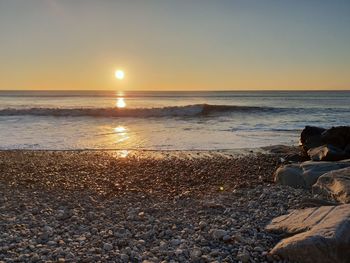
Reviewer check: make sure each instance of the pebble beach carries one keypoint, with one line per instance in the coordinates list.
(109, 206)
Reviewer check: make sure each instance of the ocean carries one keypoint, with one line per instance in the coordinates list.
(75, 120)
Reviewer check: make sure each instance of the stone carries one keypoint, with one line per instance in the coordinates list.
(195, 254)
(243, 257)
(316, 235)
(226, 238)
(218, 233)
(337, 136)
(258, 249)
(327, 153)
(289, 153)
(107, 246)
(326, 145)
(304, 175)
(310, 137)
(335, 184)
(175, 242)
(124, 257)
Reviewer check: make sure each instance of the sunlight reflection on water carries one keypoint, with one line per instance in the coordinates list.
(121, 133)
(120, 103)
(123, 153)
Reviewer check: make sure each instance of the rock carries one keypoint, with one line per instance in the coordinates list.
(124, 257)
(178, 252)
(337, 136)
(310, 137)
(226, 238)
(305, 174)
(63, 214)
(318, 234)
(335, 184)
(175, 242)
(195, 254)
(258, 249)
(243, 256)
(48, 229)
(326, 145)
(327, 153)
(52, 243)
(107, 246)
(289, 153)
(202, 224)
(218, 233)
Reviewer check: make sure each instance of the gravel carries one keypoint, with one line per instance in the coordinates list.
(96, 206)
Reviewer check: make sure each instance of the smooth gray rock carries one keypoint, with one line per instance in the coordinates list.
(335, 184)
(318, 235)
(304, 175)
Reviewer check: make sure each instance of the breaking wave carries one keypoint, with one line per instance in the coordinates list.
(176, 111)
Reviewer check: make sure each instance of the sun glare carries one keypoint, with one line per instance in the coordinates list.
(119, 74)
(120, 129)
(120, 103)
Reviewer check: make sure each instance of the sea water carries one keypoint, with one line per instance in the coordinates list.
(68, 120)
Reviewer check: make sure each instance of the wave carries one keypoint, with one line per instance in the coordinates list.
(176, 111)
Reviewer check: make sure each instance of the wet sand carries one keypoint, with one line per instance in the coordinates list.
(135, 206)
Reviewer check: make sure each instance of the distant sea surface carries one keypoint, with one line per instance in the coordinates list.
(69, 120)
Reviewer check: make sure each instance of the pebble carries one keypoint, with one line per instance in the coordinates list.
(175, 242)
(218, 233)
(195, 254)
(91, 207)
(107, 246)
(243, 256)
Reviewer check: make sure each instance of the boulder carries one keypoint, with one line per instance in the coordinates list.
(335, 184)
(326, 145)
(304, 175)
(311, 137)
(327, 153)
(318, 235)
(337, 136)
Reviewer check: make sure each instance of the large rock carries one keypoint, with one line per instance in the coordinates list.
(326, 145)
(327, 153)
(304, 175)
(335, 184)
(337, 136)
(310, 137)
(319, 235)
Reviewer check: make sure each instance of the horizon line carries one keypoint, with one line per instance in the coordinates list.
(112, 90)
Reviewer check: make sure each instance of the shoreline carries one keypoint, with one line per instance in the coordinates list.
(96, 206)
(270, 149)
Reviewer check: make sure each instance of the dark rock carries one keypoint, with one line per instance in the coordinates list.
(326, 145)
(328, 153)
(288, 153)
(310, 137)
(337, 136)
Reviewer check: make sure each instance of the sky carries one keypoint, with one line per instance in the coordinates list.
(175, 45)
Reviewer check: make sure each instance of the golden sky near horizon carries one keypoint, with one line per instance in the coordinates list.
(174, 45)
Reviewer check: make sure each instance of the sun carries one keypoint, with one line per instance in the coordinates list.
(119, 74)
(120, 103)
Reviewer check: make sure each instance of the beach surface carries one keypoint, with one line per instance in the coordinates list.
(146, 206)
